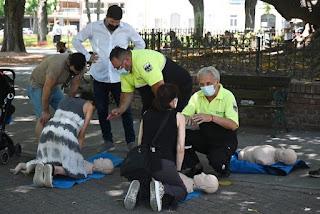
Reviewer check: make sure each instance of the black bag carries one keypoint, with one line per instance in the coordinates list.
(138, 160)
(136, 163)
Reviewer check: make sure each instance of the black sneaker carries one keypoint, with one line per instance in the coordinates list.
(131, 197)
(225, 172)
(315, 173)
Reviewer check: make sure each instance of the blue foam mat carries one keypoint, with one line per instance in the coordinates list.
(67, 182)
(241, 166)
(193, 195)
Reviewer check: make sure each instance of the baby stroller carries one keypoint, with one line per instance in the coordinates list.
(7, 148)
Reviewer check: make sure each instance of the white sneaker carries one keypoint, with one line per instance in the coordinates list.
(47, 174)
(38, 178)
(156, 194)
(131, 198)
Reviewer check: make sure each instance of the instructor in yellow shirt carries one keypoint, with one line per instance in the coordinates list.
(212, 115)
(145, 70)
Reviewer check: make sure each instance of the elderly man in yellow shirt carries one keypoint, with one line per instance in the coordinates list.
(145, 70)
(212, 114)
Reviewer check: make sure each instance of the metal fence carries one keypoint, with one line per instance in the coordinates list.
(237, 52)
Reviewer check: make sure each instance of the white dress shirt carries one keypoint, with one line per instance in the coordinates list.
(56, 30)
(102, 42)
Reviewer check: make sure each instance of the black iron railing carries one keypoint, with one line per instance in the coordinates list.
(234, 52)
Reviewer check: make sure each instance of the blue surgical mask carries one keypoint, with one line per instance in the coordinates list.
(123, 71)
(208, 90)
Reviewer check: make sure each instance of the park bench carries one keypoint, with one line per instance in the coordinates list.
(267, 92)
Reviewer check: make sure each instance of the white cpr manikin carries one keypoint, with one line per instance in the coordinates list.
(207, 183)
(103, 165)
(267, 155)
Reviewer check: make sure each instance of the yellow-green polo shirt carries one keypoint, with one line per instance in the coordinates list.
(223, 105)
(147, 68)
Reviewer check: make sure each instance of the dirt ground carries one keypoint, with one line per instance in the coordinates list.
(14, 59)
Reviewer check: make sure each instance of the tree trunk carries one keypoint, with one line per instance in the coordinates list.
(42, 21)
(250, 10)
(307, 10)
(13, 37)
(31, 22)
(88, 11)
(315, 45)
(198, 17)
(98, 9)
(35, 23)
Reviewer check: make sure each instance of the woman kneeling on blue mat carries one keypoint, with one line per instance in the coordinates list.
(60, 144)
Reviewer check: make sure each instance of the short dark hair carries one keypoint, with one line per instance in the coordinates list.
(115, 12)
(61, 47)
(165, 94)
(118, 53)
(78, 60)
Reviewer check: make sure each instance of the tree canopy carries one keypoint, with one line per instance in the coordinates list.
(307, 10)
(198, 12)
(1, 7)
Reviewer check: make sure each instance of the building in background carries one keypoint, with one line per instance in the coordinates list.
(68, 12)
(220, 15)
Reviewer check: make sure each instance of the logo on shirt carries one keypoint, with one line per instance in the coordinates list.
(235, 107)
(147, 67)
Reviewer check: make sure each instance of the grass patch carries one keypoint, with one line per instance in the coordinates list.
(32, 41)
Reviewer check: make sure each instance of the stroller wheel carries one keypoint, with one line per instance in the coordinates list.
(4, 156)
(17, 149)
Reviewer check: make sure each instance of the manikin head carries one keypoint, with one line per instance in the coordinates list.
(286, 156)
(207, 183)
(103, 165)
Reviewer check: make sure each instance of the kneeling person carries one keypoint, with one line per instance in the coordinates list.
(214, 110)
(61, 141)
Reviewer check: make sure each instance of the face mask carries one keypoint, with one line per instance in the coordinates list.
(208, 90)
(123, 71)
(73, 73)
(112, 27)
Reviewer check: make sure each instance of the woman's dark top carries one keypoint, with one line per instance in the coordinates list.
(166, 142)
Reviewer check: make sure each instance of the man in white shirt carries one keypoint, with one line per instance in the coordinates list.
(104, 36)
(56, 32)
